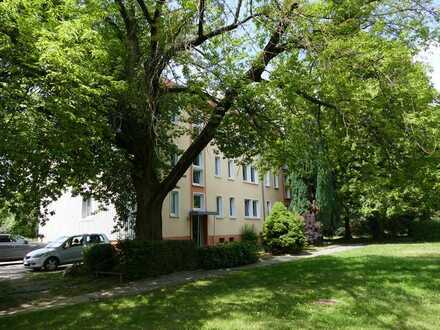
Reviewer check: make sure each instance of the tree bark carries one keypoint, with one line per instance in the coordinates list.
(347, 231)
(149, 202)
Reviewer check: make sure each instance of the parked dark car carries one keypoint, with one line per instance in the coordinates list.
(15, 247)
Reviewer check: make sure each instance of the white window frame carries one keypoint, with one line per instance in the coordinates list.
(202, 206)
(267, 180)
(219, 207)
(276, 181)
(176, 213)
(199, 168)
(232, 210)
(217, 166)
(249, 171)
(231, 169)
(251, 213)
(268, 207)
(86, 207)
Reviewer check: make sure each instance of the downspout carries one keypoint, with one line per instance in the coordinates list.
(264, 200)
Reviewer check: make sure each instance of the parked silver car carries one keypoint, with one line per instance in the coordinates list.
(15, 247)
(63, 250)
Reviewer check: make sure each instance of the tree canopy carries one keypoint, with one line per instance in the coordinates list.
(89, 88)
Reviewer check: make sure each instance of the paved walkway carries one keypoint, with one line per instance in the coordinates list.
(133, 288)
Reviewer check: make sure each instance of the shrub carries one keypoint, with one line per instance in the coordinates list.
(99, 257)
(312, 229)
(248, 234)
(140, 259)
(425, 230)
(283, 231)
(228, 255)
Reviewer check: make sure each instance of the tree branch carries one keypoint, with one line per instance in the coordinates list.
(202, 38)
(237, 11)
(316, 100)
(270, 51)
(201, 17)
(145, 12)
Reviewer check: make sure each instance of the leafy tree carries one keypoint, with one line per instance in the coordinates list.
(89, 89)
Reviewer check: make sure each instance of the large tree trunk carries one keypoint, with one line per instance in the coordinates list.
(347, 231)
(149, 212)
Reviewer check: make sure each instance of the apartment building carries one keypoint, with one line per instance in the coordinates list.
(211, 203)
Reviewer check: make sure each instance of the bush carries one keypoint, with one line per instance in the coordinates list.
(139, 259)
(283, 231)
(248, 234)
(425, 230)
(228, 255)
(312, 229)
(99, 258)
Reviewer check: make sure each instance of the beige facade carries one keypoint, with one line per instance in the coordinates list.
(215, 184)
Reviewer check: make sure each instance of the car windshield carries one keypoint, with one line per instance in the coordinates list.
(58, 242)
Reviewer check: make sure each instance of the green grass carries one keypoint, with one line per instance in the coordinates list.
(394, 286)
(37, 287)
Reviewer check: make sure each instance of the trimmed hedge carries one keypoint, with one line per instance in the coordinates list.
(425, 230)
(228, 255)
(139, 259)
(99, 258)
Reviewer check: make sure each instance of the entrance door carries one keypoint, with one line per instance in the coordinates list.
(199, 229)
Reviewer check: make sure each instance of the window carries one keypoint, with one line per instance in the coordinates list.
(5, 239)
(94, 238)
(267, 179)
(251, 208)
(174, 204)
(231, 169)
(197, 170)
(232, 211)
(276, 182)
(268, 207)
(198, 201)
(219, 206)
(198, 161)
(250, 174)
(86, 207)
(217, 166)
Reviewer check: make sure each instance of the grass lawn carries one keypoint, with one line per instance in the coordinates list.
(35, 287)
(394, 286)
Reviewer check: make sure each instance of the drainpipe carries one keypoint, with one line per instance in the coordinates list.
(264, 201)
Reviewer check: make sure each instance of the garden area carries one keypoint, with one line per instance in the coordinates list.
(381, 286)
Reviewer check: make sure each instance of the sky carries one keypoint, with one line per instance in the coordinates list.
(432, 58)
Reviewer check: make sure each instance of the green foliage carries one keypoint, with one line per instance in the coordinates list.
(300, 202)
(425, 230)
(139, 259)
(99, 258)
(283, 231)
(84, 104)
(248, 234)
(228, 255)
(326, 200)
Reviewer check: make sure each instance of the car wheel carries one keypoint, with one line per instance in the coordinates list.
(51, 264)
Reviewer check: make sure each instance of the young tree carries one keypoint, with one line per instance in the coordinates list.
(101, 81)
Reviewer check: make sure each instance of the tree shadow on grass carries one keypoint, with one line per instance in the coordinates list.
(373, 291)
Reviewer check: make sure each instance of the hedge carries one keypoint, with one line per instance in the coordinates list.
(425, 230)
(99, 258)
(139, 259)
(227, 255)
